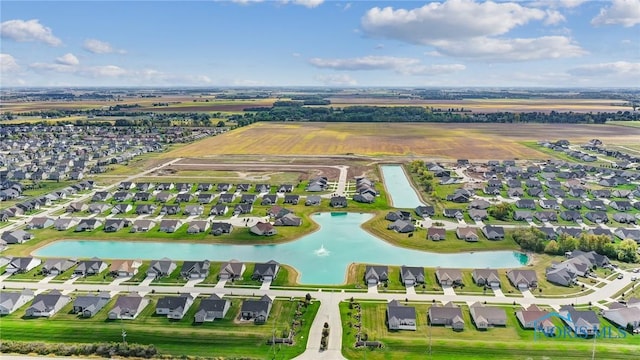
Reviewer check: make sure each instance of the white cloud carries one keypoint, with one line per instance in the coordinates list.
(554, 17)
(546, 47)
(628, 69)
(100, 47)
(468, 29)
(296, 54)
(453, 19)
(104, 71)
(305, 3)
(30, 30)
(57, 67)
(8, 64)
(244, 82)
(430, 70)
(554, 4)
(68, 59)
(364, 63)
(621, 12)
(336, 80)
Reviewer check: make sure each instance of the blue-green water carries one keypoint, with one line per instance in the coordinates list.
(321, 257)
(402, 194)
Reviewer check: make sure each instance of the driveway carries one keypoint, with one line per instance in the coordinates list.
(448, 290)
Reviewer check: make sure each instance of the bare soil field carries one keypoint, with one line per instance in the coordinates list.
(494, 105)
(472, 141)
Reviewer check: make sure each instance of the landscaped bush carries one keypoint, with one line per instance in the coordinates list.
(101, 349)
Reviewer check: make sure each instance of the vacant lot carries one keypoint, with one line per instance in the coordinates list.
(473, 141)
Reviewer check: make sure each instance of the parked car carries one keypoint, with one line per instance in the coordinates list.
(620, 276)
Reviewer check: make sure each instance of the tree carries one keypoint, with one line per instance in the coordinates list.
(501, 211)
(627, 251)
(567, 242)
(220, 124)
(552, 248)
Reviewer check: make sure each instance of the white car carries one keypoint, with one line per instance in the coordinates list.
(633, 278)
(620, 276)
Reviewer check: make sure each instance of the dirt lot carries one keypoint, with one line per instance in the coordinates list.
(444, 141)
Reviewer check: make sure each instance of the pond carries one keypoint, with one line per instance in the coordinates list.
(402, 195)
(321, 257)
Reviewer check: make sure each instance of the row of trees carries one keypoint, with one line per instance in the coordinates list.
(425, 177)
(106, 350)
(532, 239)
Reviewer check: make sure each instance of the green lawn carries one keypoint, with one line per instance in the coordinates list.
(222, 338)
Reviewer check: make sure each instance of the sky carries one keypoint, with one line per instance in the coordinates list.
(446, 43)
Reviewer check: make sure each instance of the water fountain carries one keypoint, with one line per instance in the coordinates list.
(322, 251)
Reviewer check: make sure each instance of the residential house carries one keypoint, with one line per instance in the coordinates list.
(161, 268)
(338, 201)
(195, 227)
(212, 308)
(285, 188)
(436, 234)
(224, 187)
(142, 196)
(487, 316)
(101, 196)
(583, 322)
(205, 198)
(375, 274)
(263, 229)
(560, 275)
(291, 199)
(125, 268)
(425, 210)
(400, 317)
(624, 218)
(113, 225)
(142, 225)
(448, 315)
(262, 188)
(39, 223)
(242, 209)
(545, 216)
(289, 219)
(248, 198)
(195, 269)
(193, 210)
(486, 277)
(449, 277)
(269, 199)
(243, 187)
(171, 209)
(182, 187)
(12, 301)
(572, 204)
(523, 279)
(89, 305)
(265, 271)
(526, 204)
(19, 265)
(454, 213)
(121, 209)
(145, 209)
(128, 307)
(169, 225)
(16, 236)
(219, 228)
(93, 266)
(411, 275)
(88, 225)
(121, 196)
(62, 224)
(460, 196)
(625, 317)
(313, 200)
(165, 186)
(183, 197)
(598, 217)
(533, 317)
(231, 270)
(469, 234)
(523, 215)
(97, 208)
(256, 309)
(219, 209)
(571, 215)
(402, 226)
(164, 196)
(478, 215)
(46, 305)
(77, 207)
(175, 307)
(621, 205)
(56, 266)
(204, 187)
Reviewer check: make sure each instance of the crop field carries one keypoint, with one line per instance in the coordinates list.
(472, 141)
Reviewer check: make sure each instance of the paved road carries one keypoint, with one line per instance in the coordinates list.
(329, 311)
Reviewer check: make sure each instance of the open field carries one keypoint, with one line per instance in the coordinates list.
(472, 141)
(493, 105)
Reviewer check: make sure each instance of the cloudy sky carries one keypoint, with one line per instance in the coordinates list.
(559, 43)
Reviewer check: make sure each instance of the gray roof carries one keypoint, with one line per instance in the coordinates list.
(253, 305)
(212, 303)
(395, 310)
(173, 302)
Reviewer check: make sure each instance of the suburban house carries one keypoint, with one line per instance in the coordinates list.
(39, 223)
(113, 225)
(291, 199)
(121, 209)
(400, 317)
(98, 208)
(46, 305)
(560, 275)
(478, 214)
(269, 199)
(205, 198)
(487, 316)
(263, 229)
(449, 277)
(469, 234)
(256, 309)
(161, 268)
(231, 270)
(523, 279)
(16, 236)
(174, 307)
(626, 317)
(425, 210)
(57, 266)
(142, 225)
(88, 305)
(242, 209)
(169, 225)
(248, 198)
(454, 213)
(581, 322)
(338, 201)
(448, 315)
(375, 274)
(145, 209)
(170, 209)
(265, 271)
(204, 187)
(164, 196)
(219, 228)
(262, 188)
(195, 269)
(313, 200)
(197, 226)
(90, 267)
(533, 317)
(226, 198)
(77, 207)
(63, 224)
(193, 210)
(243, 187)
(124, 268)
(402, 226)
(212, 308)
(436, 234)
(19, 265)
(289, 219)
(411, 275)
(88, 225)
(219, 209)
(183, 197)
(486, 277)
(12, 301)
(493, 232)
(128, 307)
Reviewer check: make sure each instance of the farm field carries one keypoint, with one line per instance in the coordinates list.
(472, 141)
